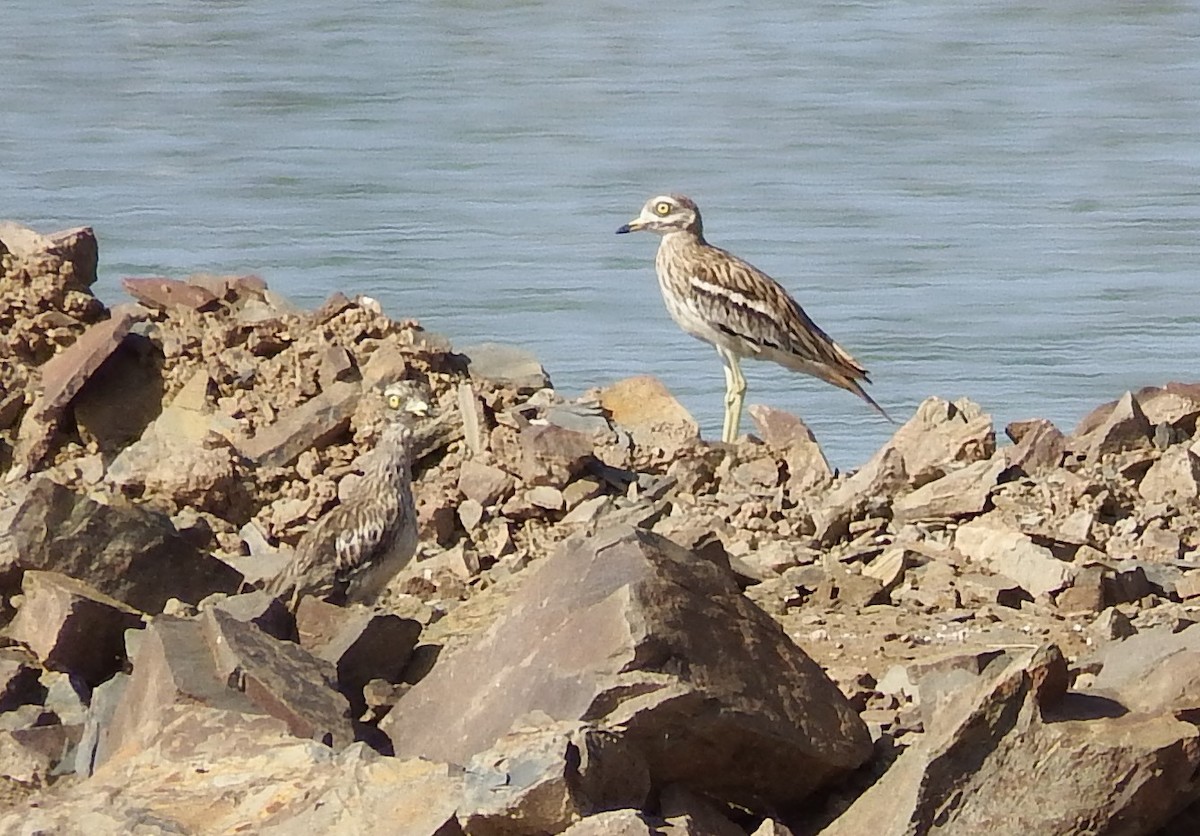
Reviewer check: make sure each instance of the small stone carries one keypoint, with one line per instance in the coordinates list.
(486, 484)
(546, 497)
(1173, 478)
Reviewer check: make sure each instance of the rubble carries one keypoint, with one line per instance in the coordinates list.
(611, 624)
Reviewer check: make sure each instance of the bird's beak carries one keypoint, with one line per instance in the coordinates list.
(632, 226)
(419, 408)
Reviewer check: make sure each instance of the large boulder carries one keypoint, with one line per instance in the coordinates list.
(635, 635)
(132, 553)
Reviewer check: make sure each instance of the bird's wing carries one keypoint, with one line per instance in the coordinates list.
(745, 302)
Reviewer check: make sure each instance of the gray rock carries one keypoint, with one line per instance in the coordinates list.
(960, 493)
(314, 423)
(506, 366)
(992, 543)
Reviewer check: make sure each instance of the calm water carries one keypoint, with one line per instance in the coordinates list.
(987, 199)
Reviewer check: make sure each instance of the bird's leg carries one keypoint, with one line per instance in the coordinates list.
(735, 390)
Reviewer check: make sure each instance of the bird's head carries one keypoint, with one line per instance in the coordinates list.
(666, 213)
(407, 399)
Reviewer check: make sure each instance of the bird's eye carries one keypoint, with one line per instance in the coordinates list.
(663, 208)
(393, 401)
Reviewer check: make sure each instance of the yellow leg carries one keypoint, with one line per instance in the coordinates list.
(735, 391)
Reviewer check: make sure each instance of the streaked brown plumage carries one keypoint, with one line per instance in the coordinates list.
(352, 552)
(716, 297)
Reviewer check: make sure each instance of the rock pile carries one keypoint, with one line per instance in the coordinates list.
(611, 627)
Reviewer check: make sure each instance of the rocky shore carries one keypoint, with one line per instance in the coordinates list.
(611, 627)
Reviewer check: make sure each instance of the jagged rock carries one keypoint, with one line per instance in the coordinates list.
(121, 397)
(977, 768)
(162, 293)
(131, 553)
(544, 776)
(314, 423)
(1124, 427)
(207, 770)
(552, 456)
(261, 609)
(75, 246)
(19, 679)
(200, 475)
(614, 823)
(593, 632)
(1006, 551)
(940, 436)
(484, 483)
(1039, 445)
(62, 376)
(360, 643)
(173, 668)
(1175, 477)
(506, 366)
(280, 678)
(684, 809)
(881, 476)
(650, 413)
(1154, 671)
(780, 429)
(960, 493)
(889, 567)
(29, 756)
(71, 627)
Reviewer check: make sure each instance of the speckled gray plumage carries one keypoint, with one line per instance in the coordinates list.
(351, 553)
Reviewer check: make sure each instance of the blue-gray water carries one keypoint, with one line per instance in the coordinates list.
(992, 199)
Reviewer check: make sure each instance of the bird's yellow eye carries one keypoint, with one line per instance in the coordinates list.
(662, 208)
(393, 401)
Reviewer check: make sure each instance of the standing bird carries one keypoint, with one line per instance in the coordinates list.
(354, 550)
(716, 297)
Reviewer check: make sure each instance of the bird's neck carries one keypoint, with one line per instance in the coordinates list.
(682, 240)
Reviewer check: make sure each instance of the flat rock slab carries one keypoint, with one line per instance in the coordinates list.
(938, 438)
(279, 677)
(1015, 756)
(164, 294)
(362, 644)
(639, 636)
(506, 366)
(71, 627)
(62, 376)
(314, 423)
(132, 553)
(1007, 551)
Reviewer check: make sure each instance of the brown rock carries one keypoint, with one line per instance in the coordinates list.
(207, 770)
(314, 423)
(1173, 478)
(553, 456)
(990, 542)
(71, 627)
(543, 775)
(261, 609)
(1124, 427)
(484, 483)
(780, 429)
(121, 397)
(755, 720)
(360, 643)
(1039, 445)
(974, 769)
(1154, 671)
(129, 552)
(173, 667)
(163, 294)
(940, 436)
(75, 246)
(614, 823)
(879, 478)
(62, 377)
(280, 678)
(960, 493)
(650, 413)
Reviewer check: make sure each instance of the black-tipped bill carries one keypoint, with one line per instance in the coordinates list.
(623, 228)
